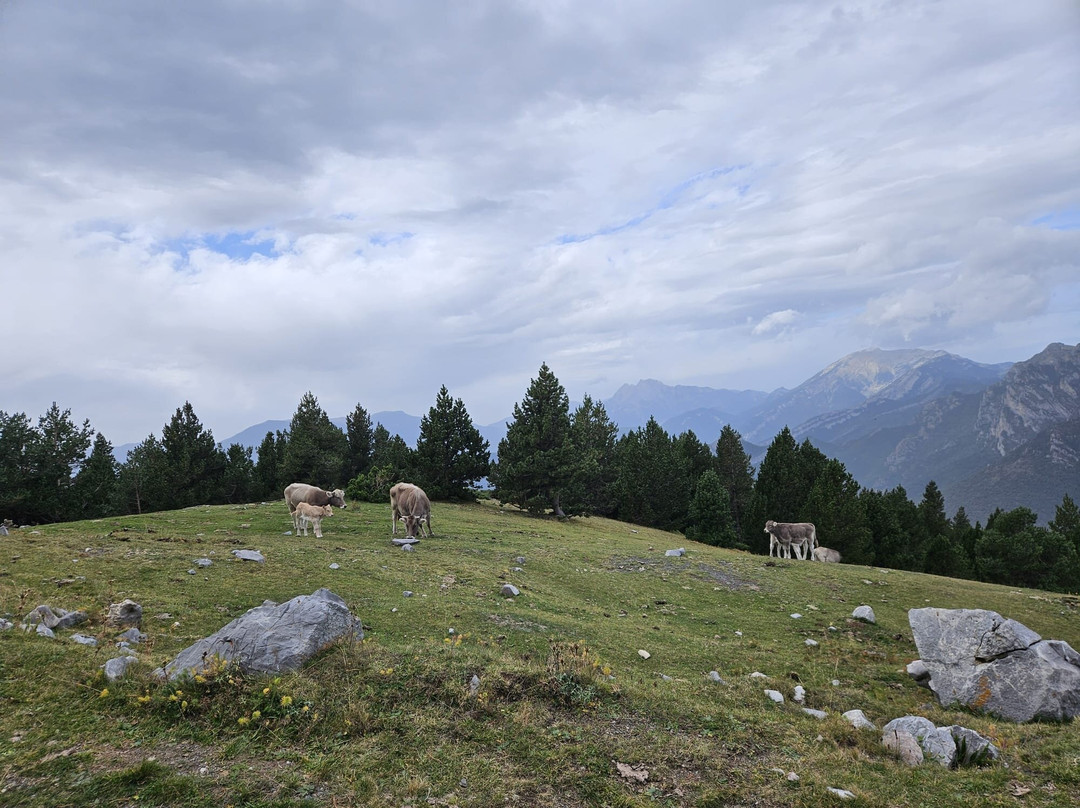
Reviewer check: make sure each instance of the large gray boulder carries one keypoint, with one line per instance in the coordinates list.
(273, 637)
(981, 660)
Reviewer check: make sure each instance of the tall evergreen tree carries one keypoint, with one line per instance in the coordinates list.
(238, 479)
(361, 437)
(269, 482)
(1066, 521)
(778, 489)
(535, 465)
(195, 465)
(893, 520)
(17, 440)
(1014, 550)
(699, 458)
(593, 437)
(653, 484)
(143, 482)
(316, 450)
(838, 513)
(710, 519)
(94, 488)
(736, 474)
(58, 450)
(451, 454)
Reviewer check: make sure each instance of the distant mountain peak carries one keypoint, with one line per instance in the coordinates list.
(872, 370)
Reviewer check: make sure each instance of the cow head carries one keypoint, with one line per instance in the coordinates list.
(769, 526)
(337, 498)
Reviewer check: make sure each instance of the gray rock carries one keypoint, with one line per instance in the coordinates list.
(864, 613)
(335, 566)
(45, 631)
(474, 685)
(918, 671)
(132, 635)
(714, 676)
(5, 624)
(810, 643)
(272, 638)
(124, 645)
(404, 542)
(58, 618)
(859, 720)
(936, 742)
(841, 793)
(407, 594)
(117, 667)
(509, 591)
(125, 613)
(249, 555)
(520, 559)
(971, 747)
(408, 548)
(800, 694)
(203, 562)
(819, 714)
(904, 745)
(775, 695)
(978, 659)
(82, 639)
(675, 553)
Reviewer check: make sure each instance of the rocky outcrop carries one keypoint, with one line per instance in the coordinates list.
(271, 638)
(981, 660)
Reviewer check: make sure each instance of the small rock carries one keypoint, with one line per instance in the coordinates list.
(407, 594)
(249, 555)
(408, 548)
(474, 685)
(758, 675)
(792, 777)
(116, 668)
(738, 633)
(715, 676)
(520, 559)
(796, 616)
(859, 720)
(864, 613)
(5, 624)
(45, 631)
(404, 542)
(132, 635)
(509, 591)
(335, 566)
(666, 678)
(918, 671)
(842, 793)
(820, 714)
(643, 653)
(676, 553)
(799, 694)
(811, 643)
(835, 683)
(775, 695)
(904, 745)
(203, 562)
(192, 572)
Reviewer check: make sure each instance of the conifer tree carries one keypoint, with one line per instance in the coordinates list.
(194, 464)
(451, 455)
(94, 488)
(736, 474)
(836, 510)
(777, 490)
(1066, 521)
(535, 465)
(269, 482)
(361, 436)
(710, 519)
(58, 449)
(238, 479)
(316, 450)
(143, 482)
(593, 436)
(653, 484)
(17, 439)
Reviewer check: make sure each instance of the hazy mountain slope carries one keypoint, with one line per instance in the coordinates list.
(633, 404)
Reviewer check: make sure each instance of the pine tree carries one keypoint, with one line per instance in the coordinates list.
(835, 508)
(238, 479)
(736, 474)
(451, 455)
(535, 464)
(143, 482)
(316, 450)
(361, 437)
(1066, 521)
(777, 490)
(593, 436)
(653, 485)
(58, 449)
(195, 465)
(94, 488)
(710, 519)
(269, 482)
(17, 439)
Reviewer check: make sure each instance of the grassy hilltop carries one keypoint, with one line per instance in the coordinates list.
(563, 696)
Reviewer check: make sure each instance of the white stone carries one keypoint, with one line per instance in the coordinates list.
(859, 720)
(775, 695)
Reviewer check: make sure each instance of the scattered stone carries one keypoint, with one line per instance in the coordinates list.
(117, 667)
(58, 618)
(132, 635)
(775, 695)
(125, 613)
(509, 591)
(404, 542)
(842, 793)
(859, 720)
(643, 653)
(811, 643)
(520, 559)
(799, 694)
(636, 773)
(203, 562)
(666, 678)
(904, 745)
(715, 676)
(82, 639)
(407, 594)
(272, 638)
(835, 683)
(792, 777)
(5, 624)
(408, 548)
(676, 553)
(833, 628)
(983, 661)
(820, 714)
(474, 686)
(796, 616)
(864, 613)
(45, 631)
(758, 675)
(935, 742)
(738, 633)
(971, 747)
(249, 555)
(918, 671)
(335, 566)
(124, 645)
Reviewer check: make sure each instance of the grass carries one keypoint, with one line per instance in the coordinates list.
(563, 693)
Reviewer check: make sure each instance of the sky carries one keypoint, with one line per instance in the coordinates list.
(234, 203)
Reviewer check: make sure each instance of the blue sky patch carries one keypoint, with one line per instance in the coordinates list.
(1068, 219)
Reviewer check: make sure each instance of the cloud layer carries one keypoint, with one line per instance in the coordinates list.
(233, 203)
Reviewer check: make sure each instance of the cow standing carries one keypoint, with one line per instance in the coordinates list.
(409, 503)
(313, 514)
(784, 535)
(312, 495)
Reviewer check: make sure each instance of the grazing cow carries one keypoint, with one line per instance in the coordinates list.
(826, 554)
(785, 535)
(410, 504)
(314, 514)
(312, 495)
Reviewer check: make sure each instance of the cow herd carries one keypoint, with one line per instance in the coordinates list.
(309, 505)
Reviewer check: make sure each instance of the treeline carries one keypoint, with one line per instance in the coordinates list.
(552, 460)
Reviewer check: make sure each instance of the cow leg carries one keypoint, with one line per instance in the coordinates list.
(317, 524)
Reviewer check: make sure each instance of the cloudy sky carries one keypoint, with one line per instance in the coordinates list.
(235, 202)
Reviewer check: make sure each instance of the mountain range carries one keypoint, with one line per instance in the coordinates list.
(997, 435)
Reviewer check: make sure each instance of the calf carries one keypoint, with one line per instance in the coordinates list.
(785, 535)
(826, 554)
(314, 514)
(411, 505)
(312, 495)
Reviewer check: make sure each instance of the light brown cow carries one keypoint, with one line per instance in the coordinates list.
(312, 495)
(314, 514)
(785, 535)
(409, 503)
(826, 554)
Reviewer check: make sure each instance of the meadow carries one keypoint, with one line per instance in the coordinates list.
(563, 709)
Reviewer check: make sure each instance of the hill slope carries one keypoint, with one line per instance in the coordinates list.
(562, 694)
